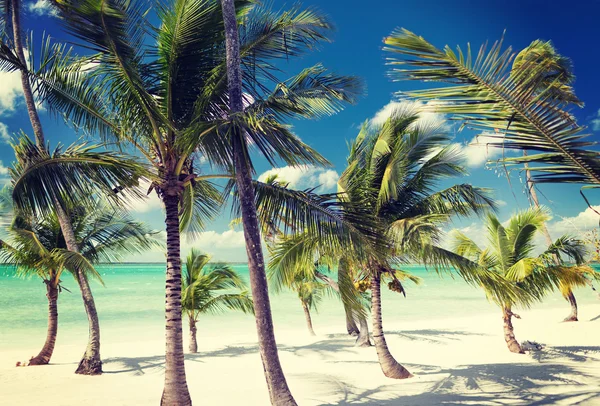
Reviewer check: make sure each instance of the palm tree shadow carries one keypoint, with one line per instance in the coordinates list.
(596, 318)
(572, 353)
(433, 336)
(493, 384)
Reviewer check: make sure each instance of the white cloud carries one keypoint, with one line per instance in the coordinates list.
(4, 134)
(148, 203)
(426, 118)
(304, 177)
(209, 240)
(10, 91)
(576, 225)
(596, 122)
(42, 8)
(3, 169)
(479, 151)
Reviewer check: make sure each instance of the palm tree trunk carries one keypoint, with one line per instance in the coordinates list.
(509, 334)
(91, 363)
(390, 367)
(175, 392)
(531, 187)
(193, 341)
(43, 358)
(27, 92)
(343, 280)
(363, 339)
(278, 389)
(308, 319)
(351, 326)
(571, 298)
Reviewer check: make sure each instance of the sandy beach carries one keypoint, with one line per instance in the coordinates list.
(461, 360)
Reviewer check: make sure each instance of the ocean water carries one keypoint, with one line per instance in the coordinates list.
(131, 304)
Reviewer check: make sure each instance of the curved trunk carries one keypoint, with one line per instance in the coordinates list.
(390, 367)
(308, 319)
(363, 339)
(351, 326)
(571, 299)
(193, 342)
(27, 92)
(91, 363)
(509, 334)
(279, 391)
(175, 392)
(45, 354)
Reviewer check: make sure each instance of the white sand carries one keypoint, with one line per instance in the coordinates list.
(460, 361)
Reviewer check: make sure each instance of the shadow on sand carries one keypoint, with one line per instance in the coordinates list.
(492, 384)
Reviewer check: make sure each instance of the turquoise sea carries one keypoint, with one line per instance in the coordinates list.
(132, 303)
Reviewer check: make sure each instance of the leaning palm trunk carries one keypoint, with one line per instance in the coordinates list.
(278, 389)
(570, 297)
(509, 334)
(363, 339)
(193, 341)
(175, 392)
(27, 92)
(351, 326)
(573, 302)
(91, 363)
(308, 319)
(45, 354)
(390, 367)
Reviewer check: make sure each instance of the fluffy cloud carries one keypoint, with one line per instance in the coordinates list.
(304, 176)
(4, 135)
(146, 204)
(10, 91)
(42, 8)
(426, 118)
(596, 122)
(582, 222)
(478, 151)
(209, 240)
(3, 169)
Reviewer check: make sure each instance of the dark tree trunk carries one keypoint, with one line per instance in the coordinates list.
(509, 334)
(278, 389)
(308, 319)
(571, 299)
(91, 363)
(175, 392)
(390, 367)
(45, 354)
(27, 92)
(363, 339)
(193, 341)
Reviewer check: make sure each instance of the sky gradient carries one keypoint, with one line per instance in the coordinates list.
(356, 49)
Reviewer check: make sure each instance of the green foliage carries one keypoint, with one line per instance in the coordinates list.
(520, 276)
(205, 288)
(520, 106)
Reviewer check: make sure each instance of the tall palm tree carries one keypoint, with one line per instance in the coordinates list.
(13, 58)
(164, 92)
(510, 254)
(36, 246)
(203, 291)
(482, 91)
(393, 170)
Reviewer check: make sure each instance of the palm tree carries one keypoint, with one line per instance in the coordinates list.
(37, 247)
(165, 94)
(12, 57)
(510, 255)
(202, 287)
(393, 170)
(483, 91)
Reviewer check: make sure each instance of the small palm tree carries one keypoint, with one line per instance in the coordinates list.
(521, 277)
(203, 291)
(36, 246)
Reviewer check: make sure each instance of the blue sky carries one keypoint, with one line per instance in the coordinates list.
(356, 50)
